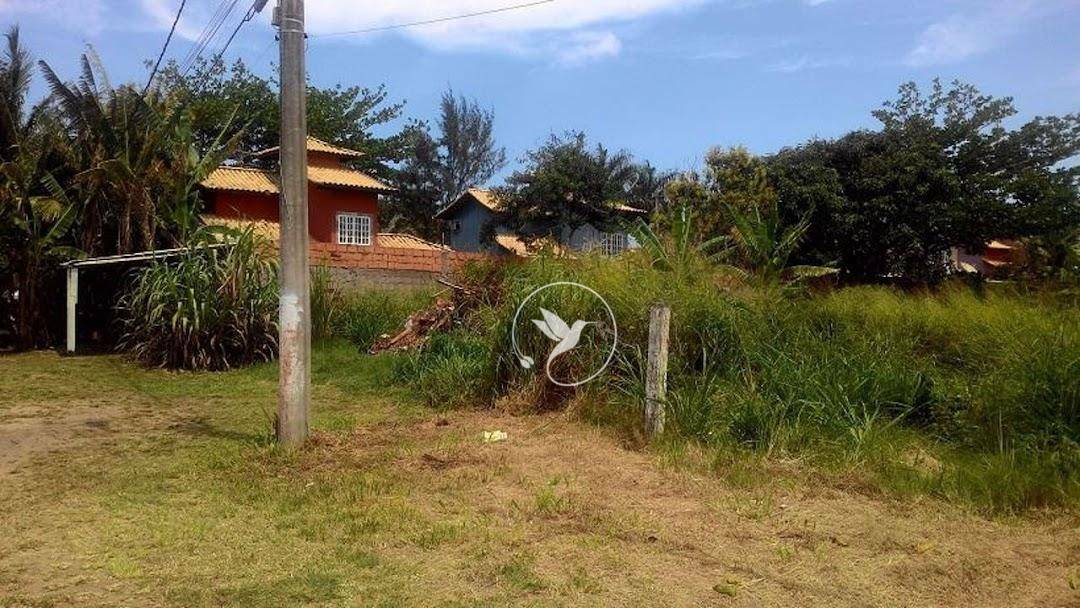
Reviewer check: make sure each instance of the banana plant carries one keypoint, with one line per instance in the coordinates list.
(679, 249)
(35, 229)
(761, 246)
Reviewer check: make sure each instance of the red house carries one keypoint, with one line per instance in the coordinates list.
(343, 203)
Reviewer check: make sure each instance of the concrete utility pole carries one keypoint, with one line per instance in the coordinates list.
(294, 343)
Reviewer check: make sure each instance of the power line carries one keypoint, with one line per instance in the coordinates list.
(218, 14)
(164, 47)
(256, 6)
(262, 53)
(211, 34)
(434, 21)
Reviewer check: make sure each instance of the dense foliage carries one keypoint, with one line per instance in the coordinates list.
(439, 168)
(348, 116)
(566, 183)
(961, 395)
(942, 172)
(213, 307)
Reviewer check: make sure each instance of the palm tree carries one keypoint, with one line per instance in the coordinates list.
(35, 213)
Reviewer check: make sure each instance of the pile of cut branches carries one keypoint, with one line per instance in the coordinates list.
(419, 325)
(481, 285)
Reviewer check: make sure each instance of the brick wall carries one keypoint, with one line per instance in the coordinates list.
(381, 278)
(389, 258)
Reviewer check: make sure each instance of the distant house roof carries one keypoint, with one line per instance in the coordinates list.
(262, 181)
(481, 196)
(242, 179)
(264, 228)
(489, 199)
(627, 208)
(332, 176)
(516, 245)
(315, 144)
(486, 198)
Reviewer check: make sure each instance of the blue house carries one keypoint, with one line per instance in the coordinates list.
(464, 220)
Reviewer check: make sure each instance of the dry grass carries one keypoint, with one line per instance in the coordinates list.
(179, 500)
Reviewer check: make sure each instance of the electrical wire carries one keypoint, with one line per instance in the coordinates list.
(247, 17)
(213, 34)
(218, 14)
(164, 47)
(434, 21)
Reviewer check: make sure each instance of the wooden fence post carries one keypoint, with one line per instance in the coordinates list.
(656, 372)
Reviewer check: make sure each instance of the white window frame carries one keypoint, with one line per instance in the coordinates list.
(354, 229)
(613, 243)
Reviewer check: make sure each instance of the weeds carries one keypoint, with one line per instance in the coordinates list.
(985, 386)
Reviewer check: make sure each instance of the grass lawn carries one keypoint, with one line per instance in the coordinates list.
(121, 486)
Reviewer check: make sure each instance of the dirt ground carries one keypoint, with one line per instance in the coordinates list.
(558, 514)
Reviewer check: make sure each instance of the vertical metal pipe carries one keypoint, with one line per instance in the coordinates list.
(72, 304)
(294, 314)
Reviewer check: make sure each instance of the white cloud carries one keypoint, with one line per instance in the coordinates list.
(588, 46)
(163, 12)
(569, 30)
(337, 15)
(802, 63)
(962, 36)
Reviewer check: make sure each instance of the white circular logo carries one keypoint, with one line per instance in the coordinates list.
(563, 336)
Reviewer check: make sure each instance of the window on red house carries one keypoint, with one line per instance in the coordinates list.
(354, 229)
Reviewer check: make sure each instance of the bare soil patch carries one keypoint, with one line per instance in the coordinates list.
(571, 497)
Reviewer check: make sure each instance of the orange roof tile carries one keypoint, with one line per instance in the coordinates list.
(521, 248)
(486, 198)
(489, 199)
(247, 179)
(315, 144)
(243, 179)
(264, 228)
(332, 176)
(407, 241)
(627, 208)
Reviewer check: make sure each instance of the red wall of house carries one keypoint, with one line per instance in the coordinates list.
(323, 206)
(325, 203)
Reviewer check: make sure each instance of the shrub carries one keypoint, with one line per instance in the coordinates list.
(212, 308)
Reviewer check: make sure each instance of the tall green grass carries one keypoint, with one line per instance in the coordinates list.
(969, 396)
(360, 315)
(210, 308)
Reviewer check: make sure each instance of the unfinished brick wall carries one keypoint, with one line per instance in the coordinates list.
(388, 258)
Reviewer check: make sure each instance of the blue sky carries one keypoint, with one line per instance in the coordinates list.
(665, 79)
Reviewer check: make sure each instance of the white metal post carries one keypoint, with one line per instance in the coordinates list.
(72, 303)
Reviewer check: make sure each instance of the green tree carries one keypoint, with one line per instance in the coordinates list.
(133, 161)
(943, 171)
(439, 169)
(35, 214)
(733, 179)
(347, 116)
(566, 184)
